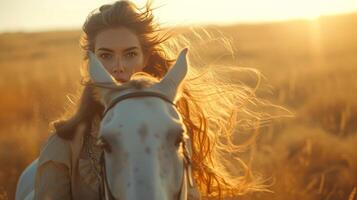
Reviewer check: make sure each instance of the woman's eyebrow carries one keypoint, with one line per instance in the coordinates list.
(104, 49)
(110, 50)
(131, 48)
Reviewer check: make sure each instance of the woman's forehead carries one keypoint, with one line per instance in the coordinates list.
(116, 39)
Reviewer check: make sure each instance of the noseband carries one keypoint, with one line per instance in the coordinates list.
(105, 192)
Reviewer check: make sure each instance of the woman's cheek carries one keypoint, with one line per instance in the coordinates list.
(139, 66)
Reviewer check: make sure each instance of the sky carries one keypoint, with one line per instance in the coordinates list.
(42, 15)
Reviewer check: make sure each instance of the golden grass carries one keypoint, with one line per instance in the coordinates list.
(311, 68)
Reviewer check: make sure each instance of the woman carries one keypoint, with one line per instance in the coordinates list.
(126, 40)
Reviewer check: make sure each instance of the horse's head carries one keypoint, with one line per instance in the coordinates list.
(143, 136)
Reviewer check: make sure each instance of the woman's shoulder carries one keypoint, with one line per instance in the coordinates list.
(56, 149)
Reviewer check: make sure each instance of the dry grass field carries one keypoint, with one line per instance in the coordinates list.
(311, 67)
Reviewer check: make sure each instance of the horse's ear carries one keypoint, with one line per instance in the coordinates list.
(97, 72)
(170, 84)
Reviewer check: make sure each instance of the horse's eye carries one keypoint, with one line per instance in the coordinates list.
(102, 143)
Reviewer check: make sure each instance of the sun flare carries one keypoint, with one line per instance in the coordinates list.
(170, 12)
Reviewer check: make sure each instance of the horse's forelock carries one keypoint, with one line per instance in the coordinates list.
(138, 81)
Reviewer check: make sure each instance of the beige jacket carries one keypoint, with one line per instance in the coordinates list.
(64, 171)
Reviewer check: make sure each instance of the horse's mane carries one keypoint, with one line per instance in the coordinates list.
(217, 109)
(138, 81)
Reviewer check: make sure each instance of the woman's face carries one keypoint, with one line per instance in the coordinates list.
(120, 52)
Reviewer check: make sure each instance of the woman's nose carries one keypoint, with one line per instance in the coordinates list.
(119, 65)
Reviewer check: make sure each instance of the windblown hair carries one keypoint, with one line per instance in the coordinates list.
(214, 106)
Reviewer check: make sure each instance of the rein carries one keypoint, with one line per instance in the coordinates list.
(104, 191)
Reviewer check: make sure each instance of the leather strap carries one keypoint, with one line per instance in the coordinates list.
(136, 95)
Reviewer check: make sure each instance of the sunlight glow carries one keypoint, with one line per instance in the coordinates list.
(49, 14)
(232, 11)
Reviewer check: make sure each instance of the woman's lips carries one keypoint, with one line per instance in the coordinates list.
(121, 78)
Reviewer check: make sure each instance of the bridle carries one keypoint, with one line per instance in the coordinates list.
(105, 192)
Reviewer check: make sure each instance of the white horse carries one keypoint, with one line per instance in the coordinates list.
(146, 148)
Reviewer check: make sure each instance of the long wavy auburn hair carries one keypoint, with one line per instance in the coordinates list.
(215, 108)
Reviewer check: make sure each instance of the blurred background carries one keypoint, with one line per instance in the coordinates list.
(307, 51)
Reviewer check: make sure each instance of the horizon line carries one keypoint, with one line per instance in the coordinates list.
(206, 24)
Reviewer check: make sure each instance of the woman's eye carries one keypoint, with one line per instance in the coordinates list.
(105, 56)
(131, 54)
